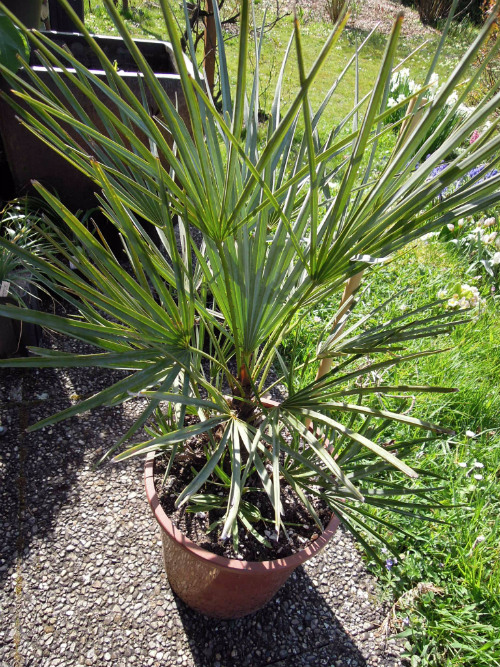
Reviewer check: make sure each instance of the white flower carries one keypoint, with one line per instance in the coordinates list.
(461, 222)
(496, 258)
(478, 540)
(478, 464)
(464, 110)
(434, 81)
(478, 477)
(426, 237)
(451, 227)
(317, 319)
(462, 464)
(412, 86)
(485, 237)
(441, 294)
(489, 222)
(468, 297)
(470, 434)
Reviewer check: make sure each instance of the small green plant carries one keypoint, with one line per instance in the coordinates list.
(281, 225)
(479, 239)
(18, 221)
(18, 282)
(12, 43)
(334, 9)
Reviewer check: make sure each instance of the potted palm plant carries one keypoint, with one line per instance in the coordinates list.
(250, 233)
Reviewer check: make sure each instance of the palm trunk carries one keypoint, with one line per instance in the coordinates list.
(210, 44)
(350, 287)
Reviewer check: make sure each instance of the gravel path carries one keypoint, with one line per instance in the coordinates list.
(81, 578)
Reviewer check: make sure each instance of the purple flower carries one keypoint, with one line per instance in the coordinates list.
(437, 170)
(477, 170)
(390, 562)
(474, 172)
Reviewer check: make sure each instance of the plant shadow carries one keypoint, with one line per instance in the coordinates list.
(297, 628)
(38, 470)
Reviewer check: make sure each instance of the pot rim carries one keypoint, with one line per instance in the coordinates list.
(257, 567)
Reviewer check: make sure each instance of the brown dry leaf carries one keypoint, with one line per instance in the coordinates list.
(408, 599)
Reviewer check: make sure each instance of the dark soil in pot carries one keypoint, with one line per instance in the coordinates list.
(301, 528)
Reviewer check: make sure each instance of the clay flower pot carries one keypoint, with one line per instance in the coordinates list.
(217, 586)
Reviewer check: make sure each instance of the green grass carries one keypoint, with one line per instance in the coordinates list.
(145, 21)
(461, 625)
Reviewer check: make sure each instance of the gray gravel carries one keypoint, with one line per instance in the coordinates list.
(81, 578)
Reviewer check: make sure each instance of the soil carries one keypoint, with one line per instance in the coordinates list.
(381, 13)
(301, 530)
(366, 14)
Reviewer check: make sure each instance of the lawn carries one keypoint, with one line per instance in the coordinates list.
(458, 623)
(145, 21)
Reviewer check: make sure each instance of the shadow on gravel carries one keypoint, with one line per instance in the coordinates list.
(296, 629)
(38, 470)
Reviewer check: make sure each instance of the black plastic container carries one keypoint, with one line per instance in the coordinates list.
(59, 20)
(30, 159)
(27, 11)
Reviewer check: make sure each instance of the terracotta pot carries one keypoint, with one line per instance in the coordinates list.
(217, 586)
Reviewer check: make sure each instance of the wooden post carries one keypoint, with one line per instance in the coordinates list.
(353, 283)
(350, 287)
(210, 45)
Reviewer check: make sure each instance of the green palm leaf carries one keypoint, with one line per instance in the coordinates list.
(248, 234)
